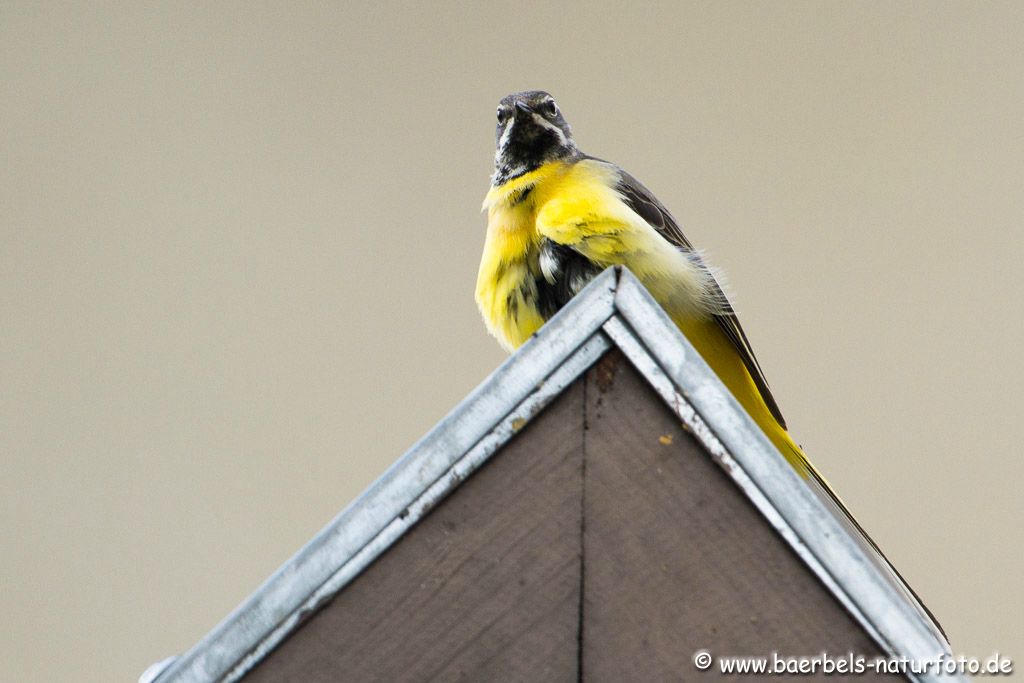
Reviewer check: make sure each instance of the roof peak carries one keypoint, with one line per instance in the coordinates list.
(615, 310)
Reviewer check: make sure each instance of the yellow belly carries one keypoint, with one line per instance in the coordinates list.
(510, 261)
(503, 297)
(507, 270)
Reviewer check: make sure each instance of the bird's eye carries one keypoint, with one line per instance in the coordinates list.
(550, 108)
(502, 115)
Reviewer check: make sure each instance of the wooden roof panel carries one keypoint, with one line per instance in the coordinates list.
(677, 559)
(485, 587)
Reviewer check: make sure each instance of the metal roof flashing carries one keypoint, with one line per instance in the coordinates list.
(614, 310)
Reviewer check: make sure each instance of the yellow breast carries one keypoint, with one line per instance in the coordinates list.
(576, 204)
(571, 203)
(505, 286)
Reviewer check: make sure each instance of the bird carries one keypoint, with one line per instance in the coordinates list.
(557, 217)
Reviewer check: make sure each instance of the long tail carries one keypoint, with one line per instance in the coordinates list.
(723, 359)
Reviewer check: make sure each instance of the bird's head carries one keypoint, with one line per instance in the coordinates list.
(531, 131)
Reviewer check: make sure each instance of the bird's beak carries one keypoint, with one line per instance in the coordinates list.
(524, 107)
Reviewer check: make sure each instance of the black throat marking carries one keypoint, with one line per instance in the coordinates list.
(520, 157)
(528, 135)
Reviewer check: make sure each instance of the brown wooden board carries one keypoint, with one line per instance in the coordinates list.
(485, 588)
(676, 559)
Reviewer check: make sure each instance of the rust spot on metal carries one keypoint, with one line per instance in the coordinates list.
(606, 369)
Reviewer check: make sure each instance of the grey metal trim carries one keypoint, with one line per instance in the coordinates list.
(297, 583)
(614, 309)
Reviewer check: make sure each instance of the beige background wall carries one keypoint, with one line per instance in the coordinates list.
(239, 245)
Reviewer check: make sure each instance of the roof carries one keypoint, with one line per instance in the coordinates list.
(614, 311)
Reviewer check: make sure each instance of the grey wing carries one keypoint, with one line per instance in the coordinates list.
(640, 199)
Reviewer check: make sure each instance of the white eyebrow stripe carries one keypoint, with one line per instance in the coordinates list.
(541, 121)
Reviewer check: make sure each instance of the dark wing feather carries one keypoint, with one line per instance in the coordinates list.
(640, 199)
